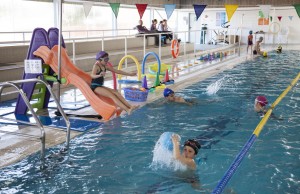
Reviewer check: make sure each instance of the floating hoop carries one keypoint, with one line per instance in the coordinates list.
(275, 26)
(137, 66)
(145, 58)
(175, 51)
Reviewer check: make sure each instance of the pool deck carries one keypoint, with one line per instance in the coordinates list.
(14, 148)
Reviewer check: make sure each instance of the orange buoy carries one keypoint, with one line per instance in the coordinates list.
(175, 51)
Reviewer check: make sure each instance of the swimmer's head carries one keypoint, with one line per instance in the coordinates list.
(265, 54)
(262, 100)
(167, 92)
(250, 32)
(193, 144)
(101, 55)
(261, 38)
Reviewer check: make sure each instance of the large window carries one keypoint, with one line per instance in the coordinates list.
(128, 18)
(20, 15)
(99, 18)
(160, 14)
(24, 15)
(220, 18)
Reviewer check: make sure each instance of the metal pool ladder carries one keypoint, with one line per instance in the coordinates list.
(38, 123)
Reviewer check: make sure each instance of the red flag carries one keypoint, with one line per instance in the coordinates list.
(141, 9)
(279, 18)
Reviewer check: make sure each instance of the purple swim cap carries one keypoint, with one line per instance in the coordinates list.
(262, 100)
(100, 55)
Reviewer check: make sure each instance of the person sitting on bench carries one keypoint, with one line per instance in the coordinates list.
(143, 30)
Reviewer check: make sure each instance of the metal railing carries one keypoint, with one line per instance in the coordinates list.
(25, 36)
(226, 39)
(198, 39)
(37, 123)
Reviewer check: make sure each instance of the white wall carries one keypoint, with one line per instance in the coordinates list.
(247, 19)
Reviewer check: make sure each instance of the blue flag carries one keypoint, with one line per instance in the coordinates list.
(198, 10)
(169, 8)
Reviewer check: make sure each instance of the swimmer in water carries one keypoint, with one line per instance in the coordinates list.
(170, 96)
(190, 150)
(260, 104)
(257, 47)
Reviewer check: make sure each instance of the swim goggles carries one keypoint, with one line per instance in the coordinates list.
(262, 103)
(106, 59)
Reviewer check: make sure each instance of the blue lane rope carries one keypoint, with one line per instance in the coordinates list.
(223, 182)
(230, 172)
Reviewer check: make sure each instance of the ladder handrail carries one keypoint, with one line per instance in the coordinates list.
(37, 120)
(16, 84)
(66, 119)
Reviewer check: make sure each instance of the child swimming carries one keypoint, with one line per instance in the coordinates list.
(170, 96)
(190, 150)
(260, 104)
(257, 46)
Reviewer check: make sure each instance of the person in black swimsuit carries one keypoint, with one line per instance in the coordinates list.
(98, 74)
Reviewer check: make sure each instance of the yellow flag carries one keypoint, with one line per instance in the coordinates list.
(230, 9)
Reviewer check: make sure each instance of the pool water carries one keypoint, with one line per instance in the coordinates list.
(117, 157)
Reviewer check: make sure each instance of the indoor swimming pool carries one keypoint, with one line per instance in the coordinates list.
(117, 157)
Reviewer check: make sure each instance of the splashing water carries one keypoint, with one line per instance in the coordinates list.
(215, 87)
(163, 157)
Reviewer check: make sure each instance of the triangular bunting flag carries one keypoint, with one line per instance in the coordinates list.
(297, 7)
(279, 18)
(291, 18)
(115, 8)
(169, 8)
(87, 6)
(230, 9)
(198, 10)
(265, 9)
(271, 18)
(141, 9)
(261, 14)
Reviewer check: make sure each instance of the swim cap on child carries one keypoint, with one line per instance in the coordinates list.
(167, 92)
(100, 55)
(250, 32)
(262, 100)
(193, 144)
(261, 38)
(265, 54)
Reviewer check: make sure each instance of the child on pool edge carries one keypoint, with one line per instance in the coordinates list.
(170, 96)
(250, 41)
(190, 150)
(98, 73)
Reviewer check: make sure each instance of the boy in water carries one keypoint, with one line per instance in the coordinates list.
(279, 49)
(170, 96)
(257, 46)
(190, 150)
